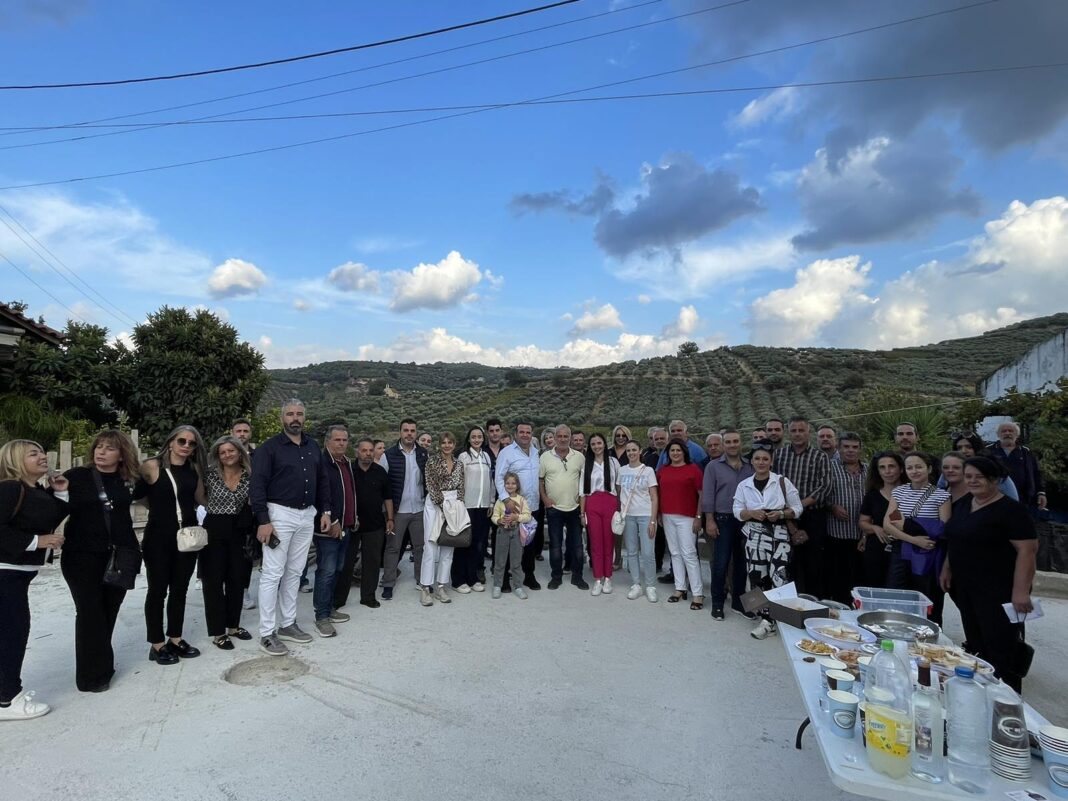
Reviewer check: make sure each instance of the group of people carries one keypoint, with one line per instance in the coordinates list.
(772, 510)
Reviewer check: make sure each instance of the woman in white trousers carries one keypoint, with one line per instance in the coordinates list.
(444, 479)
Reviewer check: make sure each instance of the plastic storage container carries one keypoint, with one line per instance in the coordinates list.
(874, 599)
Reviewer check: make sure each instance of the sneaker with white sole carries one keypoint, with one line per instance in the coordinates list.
(597, 586)
(325, 628)
(293, 633)
(635, 591)
(248, 602)
(425, 598)
(463, 589)
(478, 586)
(23, 707)
(650, 593)
(520, 593)
(442, 595)
(496, 592)
(337, 616)
(606, 588)
(272, 646)
(764, 629)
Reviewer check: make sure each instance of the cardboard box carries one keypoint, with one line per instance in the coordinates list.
(784, 606)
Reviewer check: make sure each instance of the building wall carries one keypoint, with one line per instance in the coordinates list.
(1043, 365)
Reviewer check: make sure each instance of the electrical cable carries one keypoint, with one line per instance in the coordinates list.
(292, 59)
(29, 278)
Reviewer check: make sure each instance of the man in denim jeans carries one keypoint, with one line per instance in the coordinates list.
(723, 530)
(559, 473)
(332, 547)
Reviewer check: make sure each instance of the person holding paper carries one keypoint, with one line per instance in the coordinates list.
(992, 549)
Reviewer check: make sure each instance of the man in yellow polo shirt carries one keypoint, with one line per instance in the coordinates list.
(559, 474)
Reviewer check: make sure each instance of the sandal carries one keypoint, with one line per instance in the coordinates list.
(678, 595)
(241, 634)
(697, 605)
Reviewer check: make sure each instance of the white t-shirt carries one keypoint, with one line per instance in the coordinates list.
(634, 493)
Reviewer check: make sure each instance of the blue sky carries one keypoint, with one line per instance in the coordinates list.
(868, 215)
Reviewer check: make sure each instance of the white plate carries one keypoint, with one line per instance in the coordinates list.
(814, 627)
(797, 645)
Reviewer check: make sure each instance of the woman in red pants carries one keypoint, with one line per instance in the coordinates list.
(598, 503)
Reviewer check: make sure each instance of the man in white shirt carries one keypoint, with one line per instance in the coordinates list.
(407, 479)
(521, 458)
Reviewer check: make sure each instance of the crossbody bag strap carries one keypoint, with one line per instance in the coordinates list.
(923, 499)
(634, 489)
(102, 496)
(177, 506)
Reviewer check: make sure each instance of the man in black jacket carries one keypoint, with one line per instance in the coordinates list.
(333, 546)
(407, 479)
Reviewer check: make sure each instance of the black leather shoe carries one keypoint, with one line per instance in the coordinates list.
(372, 604)
(185, 650)
(241, 634)
(531, 583)
(667, 578)
(554, 583)
(164, 656)
(223, 643)
(581, 584)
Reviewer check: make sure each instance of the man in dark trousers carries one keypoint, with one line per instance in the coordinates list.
(407, 481)
(335, 550)
(375, 503)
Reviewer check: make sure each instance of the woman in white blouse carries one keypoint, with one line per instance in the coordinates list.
(468, 566)
(766, 503)
(598, 502)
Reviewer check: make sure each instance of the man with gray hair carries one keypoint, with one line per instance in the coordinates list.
(677, 429)
(1021, 464)
(289, 482)
(714, 446)
(560, 474)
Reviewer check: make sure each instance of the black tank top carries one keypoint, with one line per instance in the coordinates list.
(162, 516)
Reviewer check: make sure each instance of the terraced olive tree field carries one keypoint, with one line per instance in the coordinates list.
(728, 386)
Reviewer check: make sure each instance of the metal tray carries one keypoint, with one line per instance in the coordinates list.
(899, 626)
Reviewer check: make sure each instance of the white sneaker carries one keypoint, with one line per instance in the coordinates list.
(425, 598)
(496, 592)
(478, 586)
(650, 593)
(248, 602)
(23, 707)
(463, 589)
(597, 586)
(198, 585)
(634, 592)
(607, 588)
(764, 629)
(520, 593)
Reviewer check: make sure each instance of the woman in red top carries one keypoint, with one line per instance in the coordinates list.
(680, 499)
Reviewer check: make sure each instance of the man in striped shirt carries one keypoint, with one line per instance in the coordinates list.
(808, 469)
(848, 476)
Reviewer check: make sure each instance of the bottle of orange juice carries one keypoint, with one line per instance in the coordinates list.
(888, 728)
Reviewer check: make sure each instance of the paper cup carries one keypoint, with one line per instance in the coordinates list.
(1056, 761)
(827, 663)
(843, 712)
(840, 680)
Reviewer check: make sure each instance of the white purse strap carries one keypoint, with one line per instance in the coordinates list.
(177, 506)
(634, 488)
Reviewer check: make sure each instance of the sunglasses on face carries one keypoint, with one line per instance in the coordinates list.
(186, 443)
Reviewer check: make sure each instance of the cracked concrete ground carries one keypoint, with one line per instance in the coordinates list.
(562, 696)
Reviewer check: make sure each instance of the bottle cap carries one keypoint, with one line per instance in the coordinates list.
(887, 645)
(964, 672)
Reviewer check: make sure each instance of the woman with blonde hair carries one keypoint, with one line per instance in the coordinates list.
(100, 529)
(171, 481)
(444, 481)
(620, 437)
(28, 516)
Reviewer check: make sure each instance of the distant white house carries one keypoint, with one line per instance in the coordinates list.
(1038, 369)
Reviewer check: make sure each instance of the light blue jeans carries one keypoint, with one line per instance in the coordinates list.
(638, 550)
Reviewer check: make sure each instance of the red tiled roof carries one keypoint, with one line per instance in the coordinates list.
(22, 321)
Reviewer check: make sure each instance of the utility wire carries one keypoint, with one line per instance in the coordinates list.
(29, 278)
(114, 310)
(389, 81)
(292, 59)
(430, 54)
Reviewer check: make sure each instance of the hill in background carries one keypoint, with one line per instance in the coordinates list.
(740, 385)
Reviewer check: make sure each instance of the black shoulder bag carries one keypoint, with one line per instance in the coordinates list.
(124, 561)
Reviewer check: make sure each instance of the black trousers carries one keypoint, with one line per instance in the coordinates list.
(467, 563)
(531, 551)
(842, 564)
(875, 562)
(899, 571)
(988, 631)
(168, 571)
(660, 548)
(343, 580)
(371, 544)
(223, 578)
(807, 561)
(14, 629)
(96, 607)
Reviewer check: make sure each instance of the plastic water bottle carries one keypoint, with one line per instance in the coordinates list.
(888, 727)
(928, 761)
(968, 731)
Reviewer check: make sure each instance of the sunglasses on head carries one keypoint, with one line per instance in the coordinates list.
(186, 443)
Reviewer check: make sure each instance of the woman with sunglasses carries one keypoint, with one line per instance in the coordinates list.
(886, 471)
(97, 523)
(171, 480)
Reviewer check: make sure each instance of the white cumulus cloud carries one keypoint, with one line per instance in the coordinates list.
(354, 277)
(236, 277)
(437, 286)
(597, 319)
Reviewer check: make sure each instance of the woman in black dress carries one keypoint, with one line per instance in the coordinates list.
(28, 516)
(181, 460)
(991, 561)
(89, 539)
(886, 471)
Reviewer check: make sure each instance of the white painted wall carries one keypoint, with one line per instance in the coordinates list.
(1044, 364)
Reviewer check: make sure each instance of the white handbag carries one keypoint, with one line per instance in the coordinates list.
(619, 518)
(190, 538)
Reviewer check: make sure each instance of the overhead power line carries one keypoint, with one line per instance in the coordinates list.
(29, 278)
(400, 79)
(380, 65)
(292, 59)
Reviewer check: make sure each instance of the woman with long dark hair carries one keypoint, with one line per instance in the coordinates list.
(226, 488)
(886, 471)
(597, 503)
(28, 517)
(479, 497)
(99, 526)
(171, 481)
(681, 483)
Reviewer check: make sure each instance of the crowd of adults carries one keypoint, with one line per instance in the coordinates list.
(779, 507)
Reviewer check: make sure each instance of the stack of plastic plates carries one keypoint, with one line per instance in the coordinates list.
(1010, 763)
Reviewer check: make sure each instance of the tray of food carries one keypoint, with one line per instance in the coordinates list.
(945, 658)
(899, 626)
(850, 656)
(837, 632)
(815, 647)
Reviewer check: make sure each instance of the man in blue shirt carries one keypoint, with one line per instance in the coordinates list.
(290, 479)
(678, 430)
(722, 528)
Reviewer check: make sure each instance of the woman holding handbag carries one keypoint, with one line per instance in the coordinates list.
(172, 483)
(444, 483)
(28, 517)
(100, 535)
(598, 502)
(637, 490)
(468, 568)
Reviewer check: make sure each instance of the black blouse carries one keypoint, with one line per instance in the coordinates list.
(39, 513)
(86, 531)
(162, 516)
(981, 554)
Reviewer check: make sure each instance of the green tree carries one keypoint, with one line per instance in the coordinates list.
(877, 412)
(687, 349)
(189, 368)
(514, 378)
